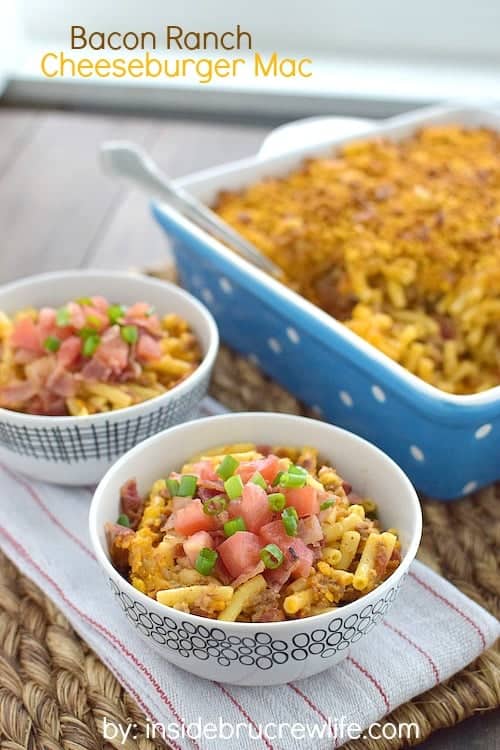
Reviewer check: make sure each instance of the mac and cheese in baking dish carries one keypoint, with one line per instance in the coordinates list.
(252, 534)
(91, 356)
(400, 241)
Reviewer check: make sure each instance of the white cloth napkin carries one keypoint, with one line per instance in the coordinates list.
(431, 632)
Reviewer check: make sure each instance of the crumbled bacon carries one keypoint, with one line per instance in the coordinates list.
(131, 502)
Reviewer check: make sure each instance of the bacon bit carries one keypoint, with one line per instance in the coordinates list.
(95, 370)
(113, 350)
(118, 539)
(347, 488)
(206, 493)
(101, 303)
(381, 559)
(148, 349)
(61, 383)
(131, 502)
(244, 577)
(17, 394)
(77, 317)
(310, 530)
(24, 356)
(264, 450)
(69, 351)
(382, 192)
(446, 327)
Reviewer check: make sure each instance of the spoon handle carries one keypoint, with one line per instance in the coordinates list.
(128, 160)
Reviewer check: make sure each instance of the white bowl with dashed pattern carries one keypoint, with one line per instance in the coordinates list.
(78, 450)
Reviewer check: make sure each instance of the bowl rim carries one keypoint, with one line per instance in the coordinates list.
(398, 373)
(184, 386)
(345, 610)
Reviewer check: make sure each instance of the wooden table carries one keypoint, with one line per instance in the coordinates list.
(57, 210)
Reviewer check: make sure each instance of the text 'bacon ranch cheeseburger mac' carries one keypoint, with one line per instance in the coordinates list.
(91, 356)
(252, 534)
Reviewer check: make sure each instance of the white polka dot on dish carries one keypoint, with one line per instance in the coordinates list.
(274, 345)
(417, 453)
(483, 431)
(225, 285)
(378, 394)
(469, 487)
(207, 296)
(346, 398)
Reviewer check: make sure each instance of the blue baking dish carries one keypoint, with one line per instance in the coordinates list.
(448, 445)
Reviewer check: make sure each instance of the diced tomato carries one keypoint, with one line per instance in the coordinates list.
(148, 349)
(192, 518)
(305, 558)
(26, 335)
(69, 351)
(193, 546)
(274, 533)
(240, 552)
(302, 556)
(255, 507)
(205, 470)
(268, 467)
(234, 509)
(304, 500)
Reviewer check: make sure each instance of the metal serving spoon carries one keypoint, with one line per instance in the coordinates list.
(128, 160)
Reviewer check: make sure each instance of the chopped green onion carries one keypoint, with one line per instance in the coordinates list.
(293, 480)
(236, 524)
(62, 317)
(150, 311)
(187, 485)
(205, 562)
(290, 521)
(215, 505)
(293, 469)
(276, 501)
(130, 334)
(271, 556)
(90, 344)
(93, 320)
(259, 480)
(84, 301)
(84, 333)
(327, 504)
(52, 343)
(115, 312)
(277, 478)
(123, 520)
(233, 487)
(227, 467)
(172, 487)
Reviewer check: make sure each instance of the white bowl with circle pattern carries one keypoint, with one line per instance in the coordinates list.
(258, 653)
(78, 450)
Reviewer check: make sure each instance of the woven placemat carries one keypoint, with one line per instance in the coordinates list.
(55, 693)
